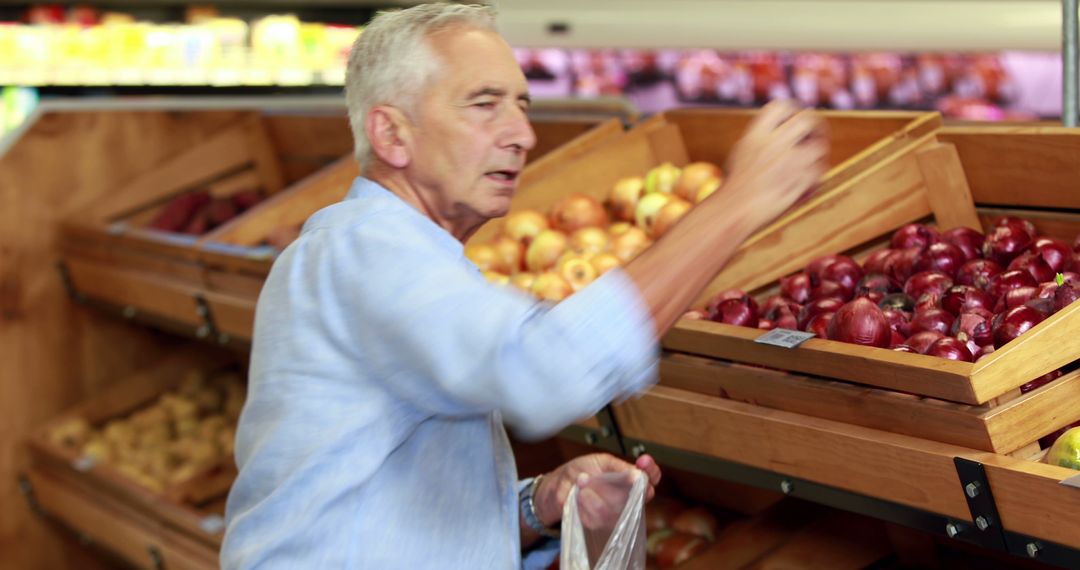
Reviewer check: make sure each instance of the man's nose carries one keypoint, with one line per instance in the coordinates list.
(520, 133)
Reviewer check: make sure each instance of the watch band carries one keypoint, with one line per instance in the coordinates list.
(528, 509)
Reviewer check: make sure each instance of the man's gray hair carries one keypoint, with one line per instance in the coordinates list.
(392, 60)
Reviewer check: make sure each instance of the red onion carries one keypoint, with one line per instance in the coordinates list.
(1065, 295)
(904, 348)
(927, 282)
(1017, 224)
(1014, 298)
(896, 339)
(943, 257)
(875, 262)
(914, 235)
(922, 341)
(897, 301)
(830, 290)
(958, 298)
(1076, 244)
(1044, 306)
(1046, 290)
(1005, 243)
(819, 325)
(951, 349)
(818, 265)
(875, 282)
(796, 287)
(900, 265)
(1034, 265)
(968, 240)
(842, 270)
(1055, 253)
(875, 296)
(742, 312)
(766, 324)
(784, 318)
(724, 296)
(1005, 282)
(1070, 277)
(1041, 381)
(860, 322)
(985, 350)
(814, 308)
(978, 272)
(1014, 323)
(974, 326)
(898, 321)
(769, 307)
(932, 320)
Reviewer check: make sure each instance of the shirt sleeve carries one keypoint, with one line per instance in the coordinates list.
(447, 341)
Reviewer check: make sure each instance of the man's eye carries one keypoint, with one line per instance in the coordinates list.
(485, 104)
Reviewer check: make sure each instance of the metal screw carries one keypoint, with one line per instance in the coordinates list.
(983, 522)
(787, 486)
(1033, 549)
(605, 431)
(952, 529)
(130, 311)
(201, 310)
(972, 489)
(203, 331)
(590, 438)
(638, 450)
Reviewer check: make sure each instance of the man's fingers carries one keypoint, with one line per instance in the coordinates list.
(771, 116)
(647, 464)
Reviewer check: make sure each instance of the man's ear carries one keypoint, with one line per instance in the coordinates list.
(388, 132)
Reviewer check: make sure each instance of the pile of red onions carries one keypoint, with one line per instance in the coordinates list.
(957, 294)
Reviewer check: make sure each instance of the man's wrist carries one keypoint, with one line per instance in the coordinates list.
(529, 499)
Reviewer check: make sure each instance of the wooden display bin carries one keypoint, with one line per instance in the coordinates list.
(78, 490)
(1019, 362)
(871, 179)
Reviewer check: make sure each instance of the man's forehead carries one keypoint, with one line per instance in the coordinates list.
(477, 59)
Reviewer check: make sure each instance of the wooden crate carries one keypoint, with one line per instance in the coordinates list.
(1022, 360)
(907, 470)
(193, 506)
(870, 179)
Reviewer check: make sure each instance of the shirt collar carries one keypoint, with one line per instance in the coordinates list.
(367, 189)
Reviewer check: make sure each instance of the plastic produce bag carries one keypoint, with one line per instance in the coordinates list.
(621, 547)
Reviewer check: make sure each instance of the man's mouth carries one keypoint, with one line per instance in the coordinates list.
(503, 175)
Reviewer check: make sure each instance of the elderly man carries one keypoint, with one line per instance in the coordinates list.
(384, 365)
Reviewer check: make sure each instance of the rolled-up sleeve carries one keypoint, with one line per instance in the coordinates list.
(443, 338)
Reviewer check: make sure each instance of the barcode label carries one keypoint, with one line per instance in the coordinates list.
(784, 338)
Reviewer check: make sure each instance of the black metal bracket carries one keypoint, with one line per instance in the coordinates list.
(69, 284)
(606, 438)
(609, 429)
(987, 531)
(26, 489)
(1042, 550)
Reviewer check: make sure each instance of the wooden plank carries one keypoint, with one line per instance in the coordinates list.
(1031, 500)
(233, 315)
(746, 541)
(226, 151)
(264, 156)
(1000, 161)
(144, 291)
(180, 552)
(92, 243)
(957, 424)
(291, 207)
(118, 529)
(839, 541)
(946, 187)
(1060, 225)
(553, 134)
(1048, 346)
(927, 375)
(884, 196)
(590, 422)
(906, 470)
(1034, 414)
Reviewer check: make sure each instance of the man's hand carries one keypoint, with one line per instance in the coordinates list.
(555, 486)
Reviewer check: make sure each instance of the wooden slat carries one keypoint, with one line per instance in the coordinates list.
(958, 424)
(218, 155)
(590, 422)
(292, 207)
(1035, 414)
(906, 470)
(927, 375)
(1020, 166)
(553, 134)
(144, 291)
(308, 137)
(1048, 346)
(1049, 224)
(233, 315)
(1030, 500)
(92, 243)
(264, 156)
(946, 187)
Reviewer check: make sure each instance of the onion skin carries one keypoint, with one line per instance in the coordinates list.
(978, 273)
(904, 348)
(742, 312)
(1019, 224)
(860, 322)
(938, 320)
(1041, 381)
(1015, 322)
(819, 324)
(950, 349)
(1056, 254)
(1065, 295)
(1005, 243)
(814, 308)
(901, 264)
(796, 287)
(927, 282)
(898, 321)
(975, 326)
(968, 240)
(875, 262)
(922, 341)
(914, 235)
(1009, 280)
(1034, 265)
(960, 298)
(724, 296)
(897, 301)
(943, 257)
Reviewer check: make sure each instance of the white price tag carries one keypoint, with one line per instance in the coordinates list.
(784, 338)
(1073, 481)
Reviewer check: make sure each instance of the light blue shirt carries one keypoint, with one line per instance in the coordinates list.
(382, 370)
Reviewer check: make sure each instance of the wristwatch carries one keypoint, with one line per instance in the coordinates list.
(528, 509)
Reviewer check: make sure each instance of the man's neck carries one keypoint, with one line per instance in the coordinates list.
(424, 202)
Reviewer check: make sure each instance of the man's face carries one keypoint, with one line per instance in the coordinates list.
(470, 125)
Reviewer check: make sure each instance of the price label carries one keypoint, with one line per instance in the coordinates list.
(784, 338)
(1073, 481)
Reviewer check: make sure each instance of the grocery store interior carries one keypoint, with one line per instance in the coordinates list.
(883, 377)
